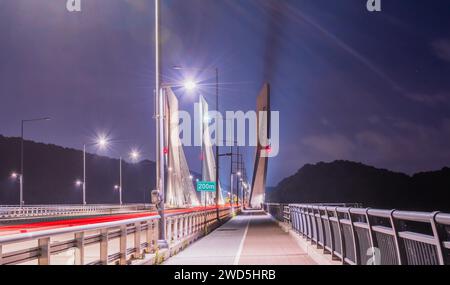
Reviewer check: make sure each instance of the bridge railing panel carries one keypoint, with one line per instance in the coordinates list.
(370, 236)
(117, 242)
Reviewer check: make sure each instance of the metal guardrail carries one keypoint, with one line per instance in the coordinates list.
(44, 246)
(9, 212)
(360, 236)
(282, 212)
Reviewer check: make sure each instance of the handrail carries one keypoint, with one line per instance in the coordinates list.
(9, 212)
(370, 236)
(17, 249)
(54, 232)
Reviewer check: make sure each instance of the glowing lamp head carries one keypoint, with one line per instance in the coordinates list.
(78, 183)
(190, 85)
(14, 175)
(102, 142)
(134, 155)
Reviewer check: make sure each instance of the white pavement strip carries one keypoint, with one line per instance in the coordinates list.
(241, 245)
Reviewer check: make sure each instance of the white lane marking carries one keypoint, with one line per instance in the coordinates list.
(241, 245)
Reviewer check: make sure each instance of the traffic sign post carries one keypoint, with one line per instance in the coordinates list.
(206, 187)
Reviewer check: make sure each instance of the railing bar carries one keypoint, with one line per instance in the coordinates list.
(438, 240)
(418, 237)
(400, 253)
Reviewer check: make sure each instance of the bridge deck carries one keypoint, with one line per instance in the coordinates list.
(245, 240)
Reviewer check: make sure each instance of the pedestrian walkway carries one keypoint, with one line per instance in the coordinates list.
(248, 239)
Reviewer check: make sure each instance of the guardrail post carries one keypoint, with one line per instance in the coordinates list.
(137, 241)
(149, 236)
(1, 254)
(199, 222)
(437, 237)
(195, 223)
(320, 229)
(355, 242)
(123, 245)
(341, 236)
(373, 242)
(330, 231)
(44, 251)
(155, 230)
(169, 233)
(176, 232)
(314, 220)
(79, 250)
(189, 225)
(186, 225)
(104, 246)
(179, 220)
(401, 259)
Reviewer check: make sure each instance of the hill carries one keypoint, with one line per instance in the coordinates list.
(51, 172)
(345, 181)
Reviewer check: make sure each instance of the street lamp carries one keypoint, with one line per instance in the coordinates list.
(190, 85)
(134, 156)
(22, 202)
(102, 143)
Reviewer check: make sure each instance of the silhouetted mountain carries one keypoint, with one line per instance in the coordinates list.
(51, 172)
(344, 181)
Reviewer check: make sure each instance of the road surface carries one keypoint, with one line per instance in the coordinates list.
(245, 240)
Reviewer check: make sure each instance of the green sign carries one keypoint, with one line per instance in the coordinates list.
(204, 186)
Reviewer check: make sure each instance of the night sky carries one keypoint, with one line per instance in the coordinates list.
(349, 84)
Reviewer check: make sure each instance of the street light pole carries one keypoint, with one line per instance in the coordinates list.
(217, 145)
(21, 180)
(84, 174)
(21, 168)
(159, 127)
(120, 182)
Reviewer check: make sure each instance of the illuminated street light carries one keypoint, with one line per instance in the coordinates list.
(15, 175)
(191, 177)
(134, 155)
(190, 85)
(78, 183)
(101, 142)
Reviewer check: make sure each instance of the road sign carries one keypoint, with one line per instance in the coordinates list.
(205, 186)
